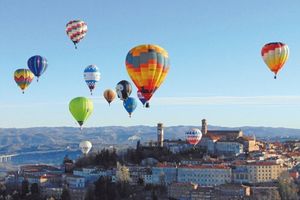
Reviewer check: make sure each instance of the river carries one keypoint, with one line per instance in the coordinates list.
(48, 157)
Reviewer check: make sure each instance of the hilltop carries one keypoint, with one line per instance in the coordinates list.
(45, 138)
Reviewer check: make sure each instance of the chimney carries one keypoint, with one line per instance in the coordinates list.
(160, 135)
(204, 127)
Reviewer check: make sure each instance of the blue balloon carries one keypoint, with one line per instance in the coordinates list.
(37, 65)
(141, 97)
(130, 105)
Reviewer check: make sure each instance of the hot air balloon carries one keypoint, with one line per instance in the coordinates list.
(193, 136)
(81, 108)
(76, 30)
(85, 147)
(123, 89)
(275, 54)
(109, 95)
(130, 105)
(37, 65)
(91, 76)
(142, 99)
(147, 66)
(23, 78)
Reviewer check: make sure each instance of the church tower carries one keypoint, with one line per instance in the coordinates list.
(160, 135)
(204, 127)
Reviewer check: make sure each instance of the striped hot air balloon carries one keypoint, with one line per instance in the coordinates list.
(76, 30)
(275, 54)
(147, 66)
(23, 78)
(91, 76)
(193, 136)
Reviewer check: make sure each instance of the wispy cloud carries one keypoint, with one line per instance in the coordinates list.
(230, 100)
(188, 101)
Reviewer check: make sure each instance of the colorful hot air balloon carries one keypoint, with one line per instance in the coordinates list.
(130, 105)
(76, 30)
(85, 147)
(275, 54)
(109, 95)
(142, 99)
(147, 66)
(123, 89)
(81, 108)
(23, 78)
(91, 76)
(37, 65)
(193, 136)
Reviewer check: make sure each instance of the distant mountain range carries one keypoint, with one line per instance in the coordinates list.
(48, 138)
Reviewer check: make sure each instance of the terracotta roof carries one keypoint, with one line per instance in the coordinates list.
(223, 132)
(214, 166)
(264, 163)
(212, 136)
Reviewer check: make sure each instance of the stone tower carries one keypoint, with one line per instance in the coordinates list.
(160, 135)
(204, 127)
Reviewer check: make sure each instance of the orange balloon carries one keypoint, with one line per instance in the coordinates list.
(275, 54)
(109, 95)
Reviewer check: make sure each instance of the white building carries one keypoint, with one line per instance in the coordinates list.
(148, 179)
(229, 148)
(204, 175)
(257, 172)
(90, 174)
(164, 174)
(74, 181)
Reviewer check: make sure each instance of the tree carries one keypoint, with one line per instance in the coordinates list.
(100, 188)
(65, 194)
(34, 188)
(140, 181)
(25, 188)
(105, 189)
(122, 174)
(2, 190)
(154, 196)
(287, 188)
(90, 193)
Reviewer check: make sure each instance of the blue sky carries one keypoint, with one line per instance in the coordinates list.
(214, 46)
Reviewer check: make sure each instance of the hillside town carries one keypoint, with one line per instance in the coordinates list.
(225, 164)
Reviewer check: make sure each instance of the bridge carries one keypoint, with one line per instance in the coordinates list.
(6, 158)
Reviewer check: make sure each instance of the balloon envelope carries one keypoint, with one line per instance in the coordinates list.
(81, 108)
(23, 78)
(193, 136)
(141, 97)
(147, 66)
(37, 65)
(76, 30)
(91, 76)
(123, 89)
(275, 54)
(130, 105)
(109, 95)
(85, 146)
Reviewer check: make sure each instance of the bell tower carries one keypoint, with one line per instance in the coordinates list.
(160, 135)
(204, 127)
